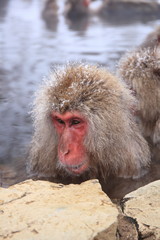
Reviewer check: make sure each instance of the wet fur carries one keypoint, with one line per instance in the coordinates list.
(141, 71)
(114, 143)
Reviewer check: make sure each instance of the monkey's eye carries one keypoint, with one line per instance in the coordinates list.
(59, 120)
(75, 122)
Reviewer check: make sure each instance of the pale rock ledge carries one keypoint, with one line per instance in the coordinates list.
(40, 210)
(143, 205)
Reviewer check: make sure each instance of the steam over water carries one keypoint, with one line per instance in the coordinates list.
(30, 44)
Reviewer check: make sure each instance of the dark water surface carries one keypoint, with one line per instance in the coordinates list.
(30, 43)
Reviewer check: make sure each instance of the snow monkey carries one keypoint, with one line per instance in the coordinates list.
(152, 39)
(84, 127)
(77, 9)
(141, 70)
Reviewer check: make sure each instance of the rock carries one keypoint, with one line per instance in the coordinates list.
(143, 205)
(41, 210)
(127, 229)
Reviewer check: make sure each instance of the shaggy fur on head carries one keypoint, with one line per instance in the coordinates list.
(76, 9)
(152, 39)
(114, 143)
(141, 71)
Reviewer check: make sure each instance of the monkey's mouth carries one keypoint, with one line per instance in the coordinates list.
(77, 169)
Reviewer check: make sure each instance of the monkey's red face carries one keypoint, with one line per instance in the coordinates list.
(86, 3)
(71, 128)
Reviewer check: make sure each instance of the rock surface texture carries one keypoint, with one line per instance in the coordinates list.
(40, 210)
(44, 211)
(143, 205)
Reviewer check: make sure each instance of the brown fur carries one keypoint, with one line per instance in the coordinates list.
(113, 143)
(75, 10)
(152, 39)
(141, 70)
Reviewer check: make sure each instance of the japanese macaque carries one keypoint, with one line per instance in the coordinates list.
(130, 10)
(76, 9)
(49, 14)
(152, 40)
(84, 127)
(141, 71)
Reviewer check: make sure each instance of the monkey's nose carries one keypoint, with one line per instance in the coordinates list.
(64, 155)
(66, 152)
(64, 149)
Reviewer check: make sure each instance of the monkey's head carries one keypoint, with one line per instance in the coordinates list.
(141, 71)
(152, 39)
(84, 3)
(83, 125)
